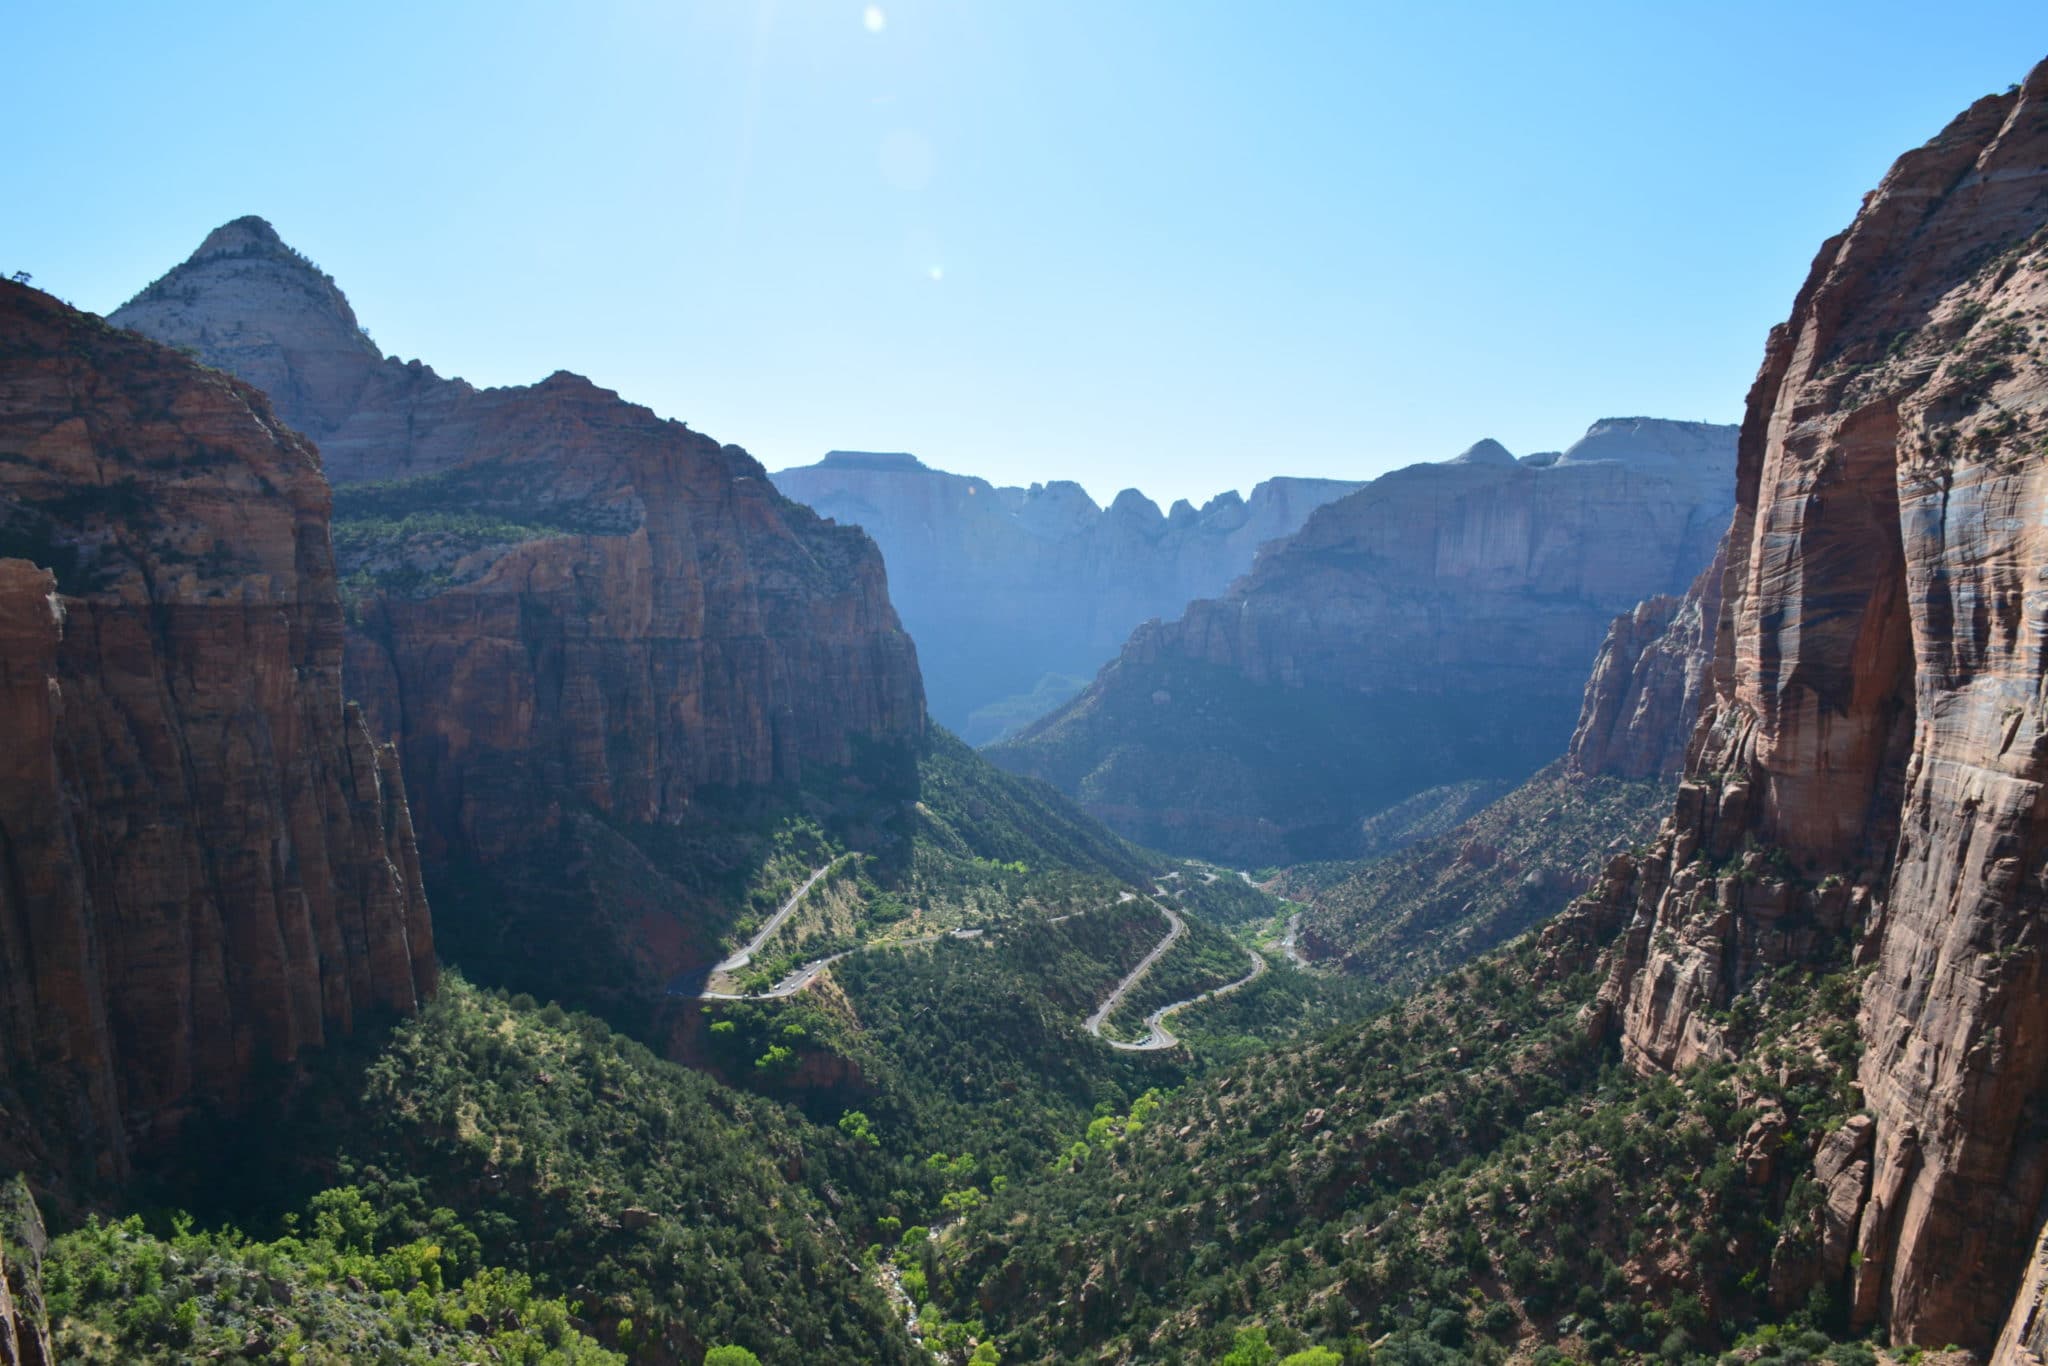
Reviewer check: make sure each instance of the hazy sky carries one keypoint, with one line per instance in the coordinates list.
(1159, 243)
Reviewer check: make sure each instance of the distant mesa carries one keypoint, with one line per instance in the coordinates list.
(900, 462)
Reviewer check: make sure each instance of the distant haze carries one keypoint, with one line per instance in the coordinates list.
(1173, 247)
(1016, 596)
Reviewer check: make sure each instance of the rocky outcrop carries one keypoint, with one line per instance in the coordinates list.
(24, 1336)
(575, 617)
(1008, 589)
(205, 864)
(718, 636)
(1649, 682)
(1867, 778)
(24, 1318)
(2024, 1342)
(1433, 628)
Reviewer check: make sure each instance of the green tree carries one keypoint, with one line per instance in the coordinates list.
(730, 1356)
(1250, 1349)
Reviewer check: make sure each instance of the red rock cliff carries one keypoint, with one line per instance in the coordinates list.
(694, 629)
(1871, 760)
(204, 861)
(1648, 685)
(561, 603)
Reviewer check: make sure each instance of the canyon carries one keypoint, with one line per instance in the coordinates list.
(297, 638)
(1016, 596)
(1433, 629)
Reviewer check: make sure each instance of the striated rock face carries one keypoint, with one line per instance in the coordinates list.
(1649, 682)
(1869, 769)
(24, 1319)
(207, 863)
(1433, 628)
(1003, 587)
(715, 635)
(566, 609)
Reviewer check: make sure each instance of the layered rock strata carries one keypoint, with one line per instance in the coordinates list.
(208, 865)
(1434, 628)
(569, 612)
(1866, 782)
(1010, 592)
(1649, 682)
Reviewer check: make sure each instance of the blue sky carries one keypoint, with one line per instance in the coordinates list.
(1161, 243)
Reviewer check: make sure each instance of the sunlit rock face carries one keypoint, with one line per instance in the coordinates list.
(560, 605)
(1015, 596)
(1865, 784)
(1649, 682)
(651, 618)
(1433, 628)
(208, 864)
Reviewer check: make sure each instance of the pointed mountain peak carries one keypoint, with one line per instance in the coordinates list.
(245, 236)
(249, 304)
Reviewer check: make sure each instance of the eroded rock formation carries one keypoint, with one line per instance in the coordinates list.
(574, 616)
(1433, 628)
(24, 1317)
(1017, 596)
(1649, 681)
(1868, 775)
(205, 864)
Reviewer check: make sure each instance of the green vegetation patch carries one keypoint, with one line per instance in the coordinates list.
(345, 1286)
(1410, 916)
(672, 1209)
(1467, 1176)
(405, 536)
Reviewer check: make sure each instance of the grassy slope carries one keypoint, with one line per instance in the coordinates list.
(668, 1208)
(1410, 916)
(1469, 1173)
(600, 917)
(672, 1208)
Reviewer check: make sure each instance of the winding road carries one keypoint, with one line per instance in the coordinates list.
(1136, 975)
(1157, 1035)
(803, 976)
(774, 923)
(788, 986)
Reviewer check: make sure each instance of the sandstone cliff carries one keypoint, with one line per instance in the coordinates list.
(207, 863)
(1005, 589)
(1433, 628)
(1866, 781)
(577, 619)
(1649, 681)
(24, 1318)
